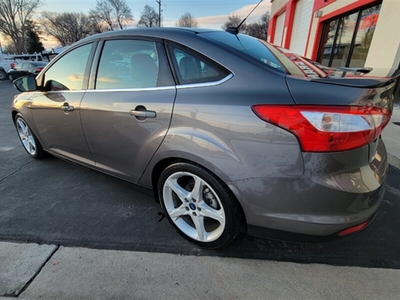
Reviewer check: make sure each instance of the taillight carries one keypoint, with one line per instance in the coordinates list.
(327, 128)
(39, 69)
(12, 65)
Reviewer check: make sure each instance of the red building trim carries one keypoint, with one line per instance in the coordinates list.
(271, 29)
(289, 20)
(272, 23)
(318, 4)
(348, 8)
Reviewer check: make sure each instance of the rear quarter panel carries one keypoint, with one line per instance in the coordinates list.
(215, 127)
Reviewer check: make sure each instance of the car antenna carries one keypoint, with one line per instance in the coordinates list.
(235, 30)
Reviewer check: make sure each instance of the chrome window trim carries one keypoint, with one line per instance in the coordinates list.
(160, 88)
(63, 91)
(205, 84)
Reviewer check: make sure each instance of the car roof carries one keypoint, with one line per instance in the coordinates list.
(158, 32)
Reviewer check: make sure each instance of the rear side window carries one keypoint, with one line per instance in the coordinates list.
(191, 67)
(128, 64)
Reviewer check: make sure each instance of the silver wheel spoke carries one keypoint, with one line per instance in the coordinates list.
(201, 230)
(208, 211)
(177, 189)
(32, 145)
(22, 125)
(26, 144)
(197, 189)
(178, 212)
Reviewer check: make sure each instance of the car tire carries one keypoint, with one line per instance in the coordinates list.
(10, 77)
(28, 139)
(199, 205)
(3, 75)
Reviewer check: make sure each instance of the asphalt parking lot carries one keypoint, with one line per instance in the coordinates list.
(54, 202)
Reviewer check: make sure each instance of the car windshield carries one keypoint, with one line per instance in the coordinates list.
(274, 57)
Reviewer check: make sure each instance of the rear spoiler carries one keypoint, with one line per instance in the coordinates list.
(360, 82)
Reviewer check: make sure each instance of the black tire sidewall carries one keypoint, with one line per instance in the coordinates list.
(3, 75)
(233, 218)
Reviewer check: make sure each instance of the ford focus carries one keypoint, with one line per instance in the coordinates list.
(231, 133)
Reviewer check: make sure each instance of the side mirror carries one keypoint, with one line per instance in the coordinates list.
(25, 84)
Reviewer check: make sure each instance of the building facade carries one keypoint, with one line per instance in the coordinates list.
(340, 33)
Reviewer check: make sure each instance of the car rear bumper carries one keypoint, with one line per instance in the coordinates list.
(336, 192)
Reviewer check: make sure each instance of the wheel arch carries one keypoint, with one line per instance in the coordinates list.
(13, 114)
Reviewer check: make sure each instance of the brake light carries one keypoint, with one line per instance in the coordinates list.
(327, 128)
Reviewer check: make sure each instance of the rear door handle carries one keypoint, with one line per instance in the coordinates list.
(66, 107)
(141, 113)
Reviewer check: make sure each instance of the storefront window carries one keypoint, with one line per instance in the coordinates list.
(366, 29)
(347, 39)
(330, 34)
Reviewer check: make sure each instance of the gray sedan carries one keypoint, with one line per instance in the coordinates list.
(231, 133)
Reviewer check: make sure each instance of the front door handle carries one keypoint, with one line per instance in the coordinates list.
(141, 113)
(66, 107)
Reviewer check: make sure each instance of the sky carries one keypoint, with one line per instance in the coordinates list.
(208, 13)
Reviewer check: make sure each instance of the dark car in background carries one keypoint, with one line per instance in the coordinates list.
(23, 68)
(229, 133)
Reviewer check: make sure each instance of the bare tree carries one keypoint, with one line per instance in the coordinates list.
(186, 20)
(149, 17)
(234, 21)
(122, 12)
(115, 13)
(14, 17)
(259, 29)
(102, 13)
(255, 29)
(68, 28)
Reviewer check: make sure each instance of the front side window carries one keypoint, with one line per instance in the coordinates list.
(346, 40)
(192, 68)
(68, 72)
(126, 64)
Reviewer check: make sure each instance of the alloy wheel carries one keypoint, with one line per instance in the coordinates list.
(26, 136)
(194, 207)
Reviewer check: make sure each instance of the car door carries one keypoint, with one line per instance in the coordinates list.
(126, 114)
(56, 110)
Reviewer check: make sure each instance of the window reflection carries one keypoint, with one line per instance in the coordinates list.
(68, 72)
(346, 40)
(369, 18)
(329, 41)
(344, 37)
(128, 64)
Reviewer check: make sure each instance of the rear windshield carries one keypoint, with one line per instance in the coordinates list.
(266, 54)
